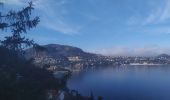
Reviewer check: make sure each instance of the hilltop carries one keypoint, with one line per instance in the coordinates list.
(57, 50)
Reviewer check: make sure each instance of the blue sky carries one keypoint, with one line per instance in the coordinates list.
(112, 27)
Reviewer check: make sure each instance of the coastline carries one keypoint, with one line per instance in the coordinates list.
(144, 64)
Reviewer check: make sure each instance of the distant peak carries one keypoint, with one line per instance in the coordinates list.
(163, 55)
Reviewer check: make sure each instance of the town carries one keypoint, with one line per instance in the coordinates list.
(77, 63)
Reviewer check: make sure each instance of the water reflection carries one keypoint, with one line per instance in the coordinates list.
(124, 82)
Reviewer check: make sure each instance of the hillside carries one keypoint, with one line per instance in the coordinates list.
(56, 50)
(164, 56)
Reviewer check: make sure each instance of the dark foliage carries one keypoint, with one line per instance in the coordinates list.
(18, 22)
(19, 78)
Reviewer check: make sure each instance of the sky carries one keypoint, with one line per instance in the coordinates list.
(110, 27)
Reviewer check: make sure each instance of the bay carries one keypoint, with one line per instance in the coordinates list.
(124, 82)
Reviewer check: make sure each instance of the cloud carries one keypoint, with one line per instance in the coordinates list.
(52, 13)
(62, 27)
(138, 51)
(166, 12)
(154, 17)
(13, 2)
(157, 14)
(155, 20)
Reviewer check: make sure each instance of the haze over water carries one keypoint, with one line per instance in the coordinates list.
(124, 82)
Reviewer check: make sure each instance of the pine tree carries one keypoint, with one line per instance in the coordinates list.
(18, 22)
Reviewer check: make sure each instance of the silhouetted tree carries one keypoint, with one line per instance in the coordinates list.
(19, 78)
(18, 22)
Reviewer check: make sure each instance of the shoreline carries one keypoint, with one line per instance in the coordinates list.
(134, 64)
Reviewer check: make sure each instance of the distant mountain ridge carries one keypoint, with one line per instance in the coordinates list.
(57, 50)
(73, 57)
(163, 55)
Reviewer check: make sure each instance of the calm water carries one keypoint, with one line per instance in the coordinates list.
(124, 82)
